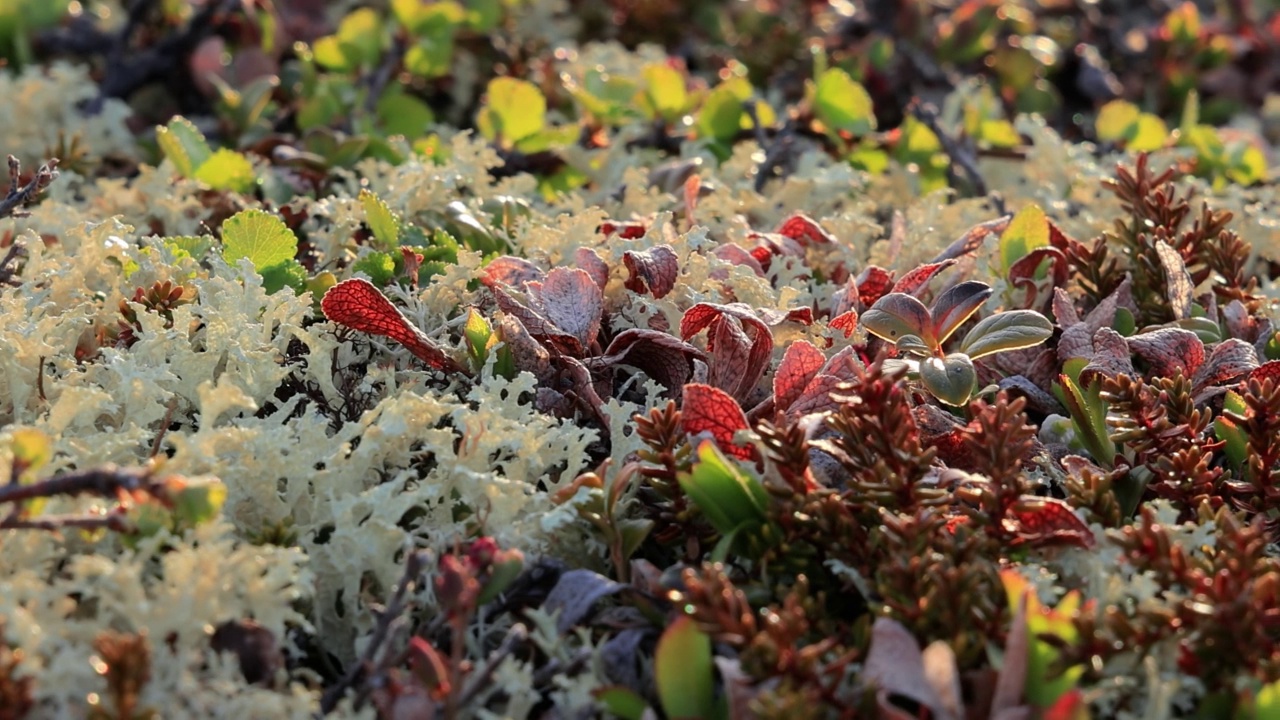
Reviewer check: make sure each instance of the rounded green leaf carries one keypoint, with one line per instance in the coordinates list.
(683, 671)
(897, 315)
(1115, 120)
(721, 114)
(665, 91)
(956, 305)
(1149, 134)
(1011, 330)
(227, 170)
(259, 236)
(951, 379)
(514, 109)
(843, 104)
(728, 496)
(402, 114)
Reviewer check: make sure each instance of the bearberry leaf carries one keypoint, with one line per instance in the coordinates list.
(1042, 521)
(805, 230)
(513, 271)
(1169, 351)
(1012, 330)
(1178, 287)
(704, 315)
(660, 355)
(359, 305)
(896, 315)
(956, 305)
(914, 281)
(572, 301)
(712, 410)
(1227, 361)
(951, 379)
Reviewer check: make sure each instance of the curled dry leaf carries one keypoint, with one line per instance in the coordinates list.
(973, 238)
(357, 304)
(730, 357)
(655, 269)
(1178, 285)
(711, 410)
(1110, 357)
(1228, 360)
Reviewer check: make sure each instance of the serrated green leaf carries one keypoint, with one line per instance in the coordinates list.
(665, 91)
(379, 266)
(514, 109)
(259, 236)
(184, 145)
(951, 379)
(384, 224)
(290, 274)
(956, 305)
(843, 104)
(1011, 330)
(683, 671)
(227, 170)
(1028, 230)
(896, 315)
(192, 246)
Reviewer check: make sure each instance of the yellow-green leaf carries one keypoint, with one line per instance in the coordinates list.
(843, 104)
(514, 109)
(683, 671)
(227, 170)
(1028, 230)
(384, 224)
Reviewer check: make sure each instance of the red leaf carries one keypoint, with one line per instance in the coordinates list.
(735, 255)
(731, 358)
(972, 238)
(774, 318)
(873, 283)
(1023, 272)
(816, 396)
(357, 304)
(511, 270)
(703, 315)
(1110, 357)
(1267, 370)
(625, 230)
(799, 365)
(1047, 521)
(914, 281)
(593, 265)
(848, 322)
(1061, 240)
(709, 409)
(571, 300)
(657, 268)
(1229, 359)
(802, 228)
(660, 355)
(528, 354)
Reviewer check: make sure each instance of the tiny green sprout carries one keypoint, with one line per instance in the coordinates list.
(921, 332)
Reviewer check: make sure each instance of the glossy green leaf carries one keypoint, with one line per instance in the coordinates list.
(843, 104)
(384, 223)
(913, 345)
(683, 671)
(1028, 230)
(956, 305)
(514, 109)
(184, 145)
(896, 315)
(951, 379)
(1235, 439)
(724, 492)
(1011, 330)
(227, 170)
(721, 115)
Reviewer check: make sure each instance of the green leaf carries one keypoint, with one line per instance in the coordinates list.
(430, 57)
(384, 224)
(683, 671)
(184, 145)
(290, 274)
(899, 314)
(192, 246)
(622, 702)
(1183, 24)
(1089, 416)
(1150, 134)
(843, 104)
(200, 503)
(422, 18)
(479, 335)
(665, 91)
(633, 532)
(720, 118)
(999, 133)
(728, 496)
(1267, 704)
(956, 305)
(1235, 439)
(951, 379)
(268, 243)
(379, 266)
(357, 43)
(514, 109)
(1011, 330)
(1115, 120)
(227, 170)
(403, 114)
(1028, 230)
(1247, 165)
(32, 449)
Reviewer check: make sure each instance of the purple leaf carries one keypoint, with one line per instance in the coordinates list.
(1227, 361)
(1110, 357)
(1169, 350)
(1177, 280)
(591, 263)
(571, 300)
(511, 270)
(703, 315)
(661, 356)
(656, 268)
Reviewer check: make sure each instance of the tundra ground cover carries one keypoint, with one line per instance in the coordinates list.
(532, 358)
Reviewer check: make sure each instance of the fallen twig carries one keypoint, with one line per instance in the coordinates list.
(962, 155)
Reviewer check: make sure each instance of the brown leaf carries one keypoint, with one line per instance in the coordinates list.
(1177, 280)
(1169, 350)
(973, 237)
(511, 270)
(1110, 357)
(895, 666)
(528, 354)
(656, 268)
(591, 263)
(1227, 361)
(661, 356)
(571, 300)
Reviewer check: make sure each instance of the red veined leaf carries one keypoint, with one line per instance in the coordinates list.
(1047, 521)
(625, 230)
(804, 229)
(655, 269)
(816, 396)
(661, 356)
(533, 321)
(528, 354)
(873, 283)
(1240, 324)
(1228, 360)
(1062, 241)
(846, 298)
(846, 322)
(914, 281)
(730, 358)
(1169, 350)
(1077, 334)
(511, 270)
(591, 263)
(710, 409)
(800, 364)
(763, 255)
(357, 304)
(844, 364)
(572, 301)
(1267, 370)
(1110, 357)
(1023, 272)
(734, 254)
